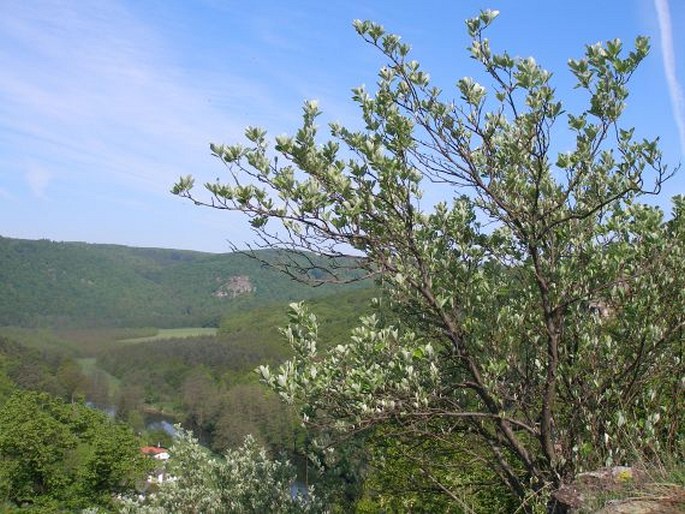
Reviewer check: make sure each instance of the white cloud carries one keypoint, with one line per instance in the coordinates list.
(668, 58)
(38, 179)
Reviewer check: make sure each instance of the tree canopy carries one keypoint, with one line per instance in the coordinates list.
(533, 317)
(56, 456)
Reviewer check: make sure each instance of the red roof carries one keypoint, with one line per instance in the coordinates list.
(153, 450)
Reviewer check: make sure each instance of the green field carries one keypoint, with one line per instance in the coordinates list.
(173, 333)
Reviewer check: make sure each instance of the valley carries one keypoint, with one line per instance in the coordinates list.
(161, 335)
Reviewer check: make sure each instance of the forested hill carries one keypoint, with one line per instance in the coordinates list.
(46, 283)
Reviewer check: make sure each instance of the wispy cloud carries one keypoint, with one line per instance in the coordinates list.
(93, 93)
(38, 179)
(104, 103)
(668, 57)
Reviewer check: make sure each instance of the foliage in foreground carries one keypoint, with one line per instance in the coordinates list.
(57, 456)
(539, 308)
(395, 481)
(243, 480)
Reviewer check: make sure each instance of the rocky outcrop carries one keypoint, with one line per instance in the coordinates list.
(233, 287)
(618, 490)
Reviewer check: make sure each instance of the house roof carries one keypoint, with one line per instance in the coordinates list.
(153, 450)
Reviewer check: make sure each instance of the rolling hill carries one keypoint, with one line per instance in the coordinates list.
(65, 284)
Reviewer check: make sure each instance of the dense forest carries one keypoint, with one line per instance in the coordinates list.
(208, 382)
(50, 284)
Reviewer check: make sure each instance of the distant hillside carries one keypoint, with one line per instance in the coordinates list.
(46, 283)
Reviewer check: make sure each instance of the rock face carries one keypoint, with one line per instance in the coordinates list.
(233, 287)
(636, 506)
(632, 490)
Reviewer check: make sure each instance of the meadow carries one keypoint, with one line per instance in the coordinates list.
(173, 333)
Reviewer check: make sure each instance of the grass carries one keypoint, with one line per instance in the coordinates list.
(86, 344)
(173, 333)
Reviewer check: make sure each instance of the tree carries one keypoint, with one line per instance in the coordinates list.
(538, 309)
(244, 480)
(71, 380)
(200, 400)
(255, 410)
(60, 456)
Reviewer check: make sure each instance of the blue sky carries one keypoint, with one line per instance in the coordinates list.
(104, 103)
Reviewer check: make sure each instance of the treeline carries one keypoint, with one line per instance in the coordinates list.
(46, 370)
(170, 359)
